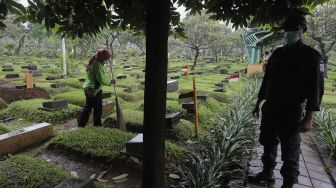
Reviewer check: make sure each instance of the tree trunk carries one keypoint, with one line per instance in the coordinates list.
(324, 56)
(216, 58)
(157, 23)
(21, 42)
(195, 58)
(74, 51)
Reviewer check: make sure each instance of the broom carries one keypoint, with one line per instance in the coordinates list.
(120, 116)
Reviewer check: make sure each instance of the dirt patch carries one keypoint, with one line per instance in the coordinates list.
(11, 94)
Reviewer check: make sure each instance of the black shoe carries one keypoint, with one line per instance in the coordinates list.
(288, 184)
(260, 178)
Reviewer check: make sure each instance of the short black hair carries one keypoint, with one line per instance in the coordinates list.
(295, 22)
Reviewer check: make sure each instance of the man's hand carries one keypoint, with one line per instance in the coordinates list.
(307, 123)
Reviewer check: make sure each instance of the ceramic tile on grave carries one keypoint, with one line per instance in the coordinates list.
(172, 85)
(10, 76)
(134, 147)
(54, 105)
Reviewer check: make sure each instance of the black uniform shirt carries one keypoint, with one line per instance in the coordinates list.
(294, 74)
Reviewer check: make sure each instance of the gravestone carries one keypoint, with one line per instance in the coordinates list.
(219, 89)
(140, 76)
(121, 77)
(172, 119)
(175, 77)
(172, 85)
(51, 78)
(58, 85)
(226, 80)
(76, 183)
(54, 105)
(220, 84)
(106, 95)
(126, 66)
(18, 140)
(203, 97)
(24, 67)
(32, 67)
(8, 69)
(131, 89)
(10, 76)
(36, 73)
(128, 69)
(81, 79)
(134, 147)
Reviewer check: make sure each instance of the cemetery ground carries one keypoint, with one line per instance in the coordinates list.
(227, 130)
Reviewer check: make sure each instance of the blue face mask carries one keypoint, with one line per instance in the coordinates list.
(292, 36)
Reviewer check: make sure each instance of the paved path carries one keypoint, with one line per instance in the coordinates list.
(312, 171)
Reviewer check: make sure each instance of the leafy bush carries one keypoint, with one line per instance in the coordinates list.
(29, 110)
(182, 132)
(75, 97)
(3, 129)
(23, 171)
(96, 142)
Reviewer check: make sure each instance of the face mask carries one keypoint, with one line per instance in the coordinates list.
(106, 62)
(292, 36)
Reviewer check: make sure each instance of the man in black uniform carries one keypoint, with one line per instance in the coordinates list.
(293, 85)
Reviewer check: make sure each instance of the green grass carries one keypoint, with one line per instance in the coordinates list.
(23, 171)
(3, 129)
(75, 97)
(29, 110)
(133, 119)
(95, 142)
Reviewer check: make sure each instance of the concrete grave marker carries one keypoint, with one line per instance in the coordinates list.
(219, 89)
(134, 147)
(58, 85)
(106, 95)
(10, 76)
(173, 119)
(122, 77)
(18, 140)
(54, 105)
(203, 97)
(140, 76)
(24, 67)
(220, 84)
(8, 69)
(32, 67)
(51, 78)
(108, 109)
(172, 85)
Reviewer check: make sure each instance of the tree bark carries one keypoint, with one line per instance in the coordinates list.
(195, 58)
(157, 23)
(21, 42)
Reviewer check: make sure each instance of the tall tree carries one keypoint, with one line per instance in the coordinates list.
(322, 29)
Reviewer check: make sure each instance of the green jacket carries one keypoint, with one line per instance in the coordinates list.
(96, 73)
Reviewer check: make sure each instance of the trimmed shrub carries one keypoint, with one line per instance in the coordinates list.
(133, 120)
(96, 142)
(23, 171)
(75, 97)
(29, 110)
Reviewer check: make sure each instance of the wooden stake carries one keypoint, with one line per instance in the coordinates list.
(29, 80)
(195, 107)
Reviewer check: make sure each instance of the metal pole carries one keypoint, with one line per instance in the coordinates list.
(64, 57)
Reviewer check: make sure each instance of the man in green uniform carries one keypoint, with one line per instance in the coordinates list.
(293, 86)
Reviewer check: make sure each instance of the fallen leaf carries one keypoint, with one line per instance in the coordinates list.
(121, 181)
(101, 174)
(93, 176)
(101, 180)
(122, 176)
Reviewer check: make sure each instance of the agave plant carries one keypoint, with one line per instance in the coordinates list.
(224, 154)
(326, 130)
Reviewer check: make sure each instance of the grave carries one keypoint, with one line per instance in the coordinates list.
(172, 119)
(106, 95)
(10, 76)
(172, 85)
(121, 77)
(54, 105)
(81, 79)
(128, 69)
(221, 84)
(126, 66)
(140, 76)
(36, 73)
(24, 67)
(190, 107)
(58, 85)
(203, 97)
(131, 89)
(18, 140)
(225, 81)
(76, 183)
(51, 78)
(32, 67)
(219, 89)
(175, 77)
(134, 147)
(108, 109)
(9, 69)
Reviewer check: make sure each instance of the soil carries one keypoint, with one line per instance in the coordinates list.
(9, 94)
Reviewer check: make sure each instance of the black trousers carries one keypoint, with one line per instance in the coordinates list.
(281, 126)
(95, 103)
